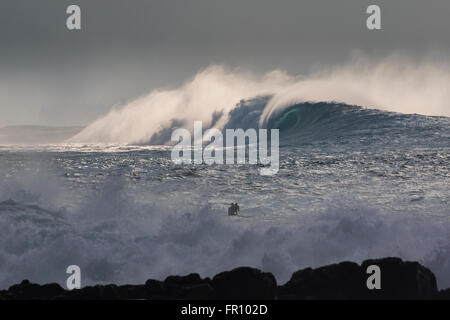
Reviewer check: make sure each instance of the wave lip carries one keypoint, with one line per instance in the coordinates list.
(325, 120)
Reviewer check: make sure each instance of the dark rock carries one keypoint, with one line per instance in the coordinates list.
(347, 280)
(245, 283)
(338, 281)
(51, 290)
(98, 292)
(133, 292)
(403, 280)
(190, 279)
(179, 287)
(26, 290)
(203, 291)
(6, 295)
(155, 289)
(191, 286)
(444, 294)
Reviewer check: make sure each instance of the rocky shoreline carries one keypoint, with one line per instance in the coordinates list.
(345, 280)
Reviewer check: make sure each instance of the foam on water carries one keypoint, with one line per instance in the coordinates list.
(127, 216)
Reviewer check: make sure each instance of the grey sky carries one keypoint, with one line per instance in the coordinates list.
(53, 76)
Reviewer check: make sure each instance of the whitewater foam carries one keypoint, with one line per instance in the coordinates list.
(132, 215)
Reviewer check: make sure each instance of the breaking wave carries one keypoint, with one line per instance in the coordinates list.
(115, 239)
(394, 84)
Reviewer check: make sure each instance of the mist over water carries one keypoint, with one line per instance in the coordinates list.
(395, 84)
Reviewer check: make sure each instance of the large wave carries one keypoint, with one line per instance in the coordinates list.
(393, 84)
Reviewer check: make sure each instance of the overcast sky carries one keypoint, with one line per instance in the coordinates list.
(53, 76)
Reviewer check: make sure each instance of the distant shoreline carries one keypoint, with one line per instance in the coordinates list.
(34, 134)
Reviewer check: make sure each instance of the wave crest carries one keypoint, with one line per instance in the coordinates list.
(394, 84)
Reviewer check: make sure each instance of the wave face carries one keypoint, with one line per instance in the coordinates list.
(394, 85)
(315, 122)
(309, 122)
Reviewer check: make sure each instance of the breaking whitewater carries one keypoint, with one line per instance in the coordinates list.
(367, 176)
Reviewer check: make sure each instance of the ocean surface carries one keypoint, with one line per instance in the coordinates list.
(354, 183)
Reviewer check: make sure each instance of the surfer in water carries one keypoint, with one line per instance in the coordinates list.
(233, 209)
